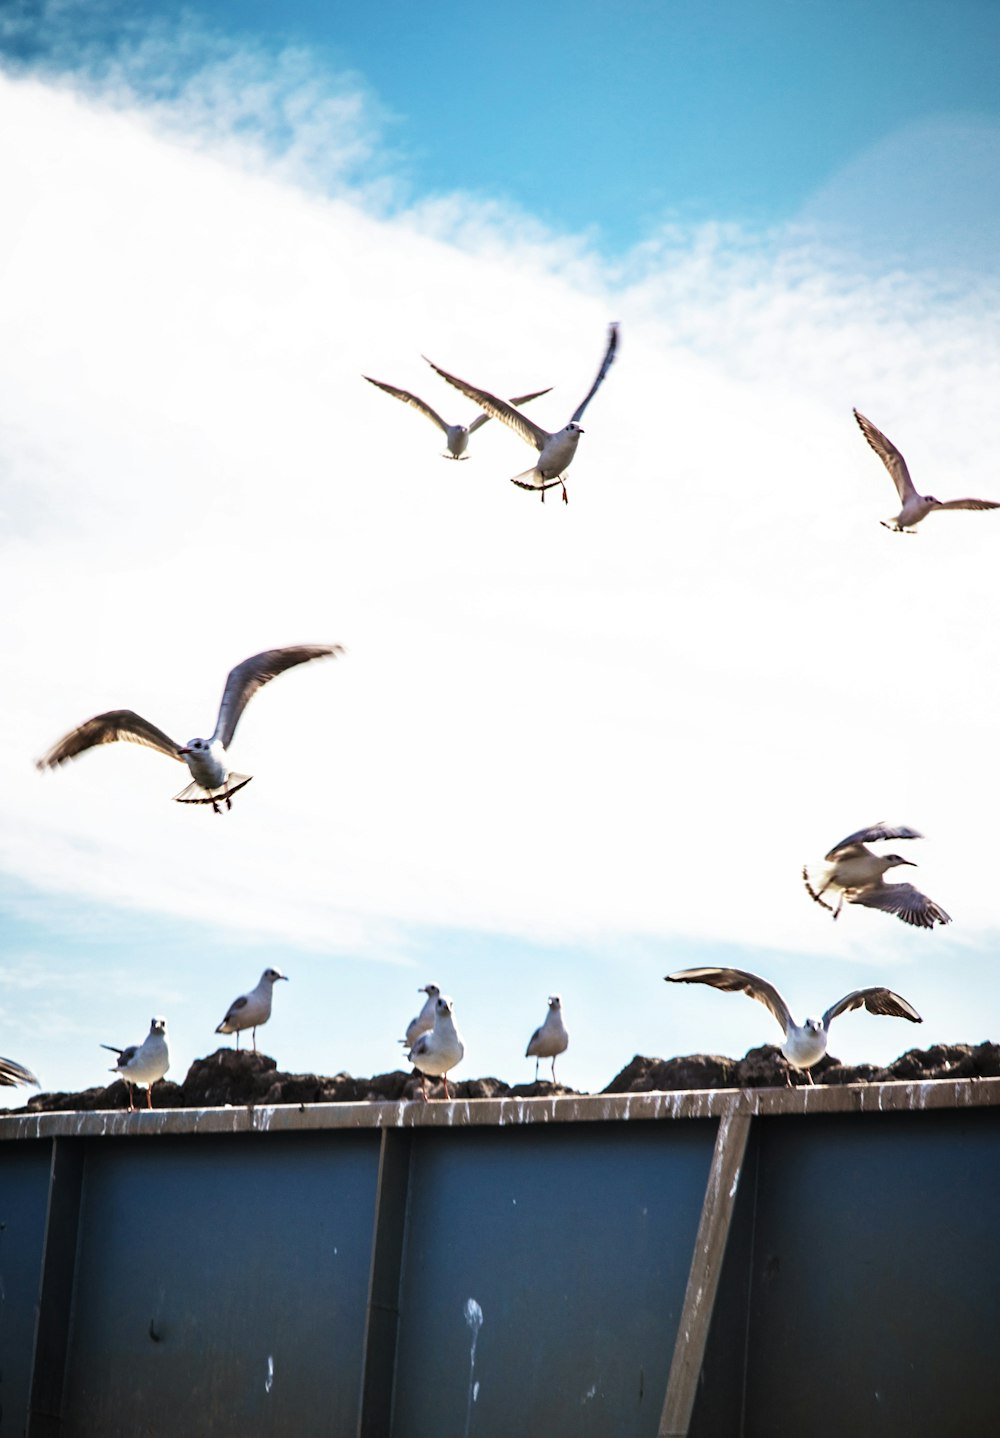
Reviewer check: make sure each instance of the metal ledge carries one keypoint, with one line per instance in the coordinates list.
(507, 1112)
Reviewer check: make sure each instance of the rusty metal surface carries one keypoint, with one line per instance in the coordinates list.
(504, 1112)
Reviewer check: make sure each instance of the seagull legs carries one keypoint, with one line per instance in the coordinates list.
(255, 1038)
(553, 1068)
(536, 1070)
(131, 1105)
(149, 1095)
(816, 898)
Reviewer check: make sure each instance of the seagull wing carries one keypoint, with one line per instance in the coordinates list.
(908, 903)
(108, 729)
(497, 409)
(969, 504)
(125, 1056)
(481, 419)
(532, 1042)
(738, 981)
(606, 362)
(890, 457)
(871, 835)
(232, 1011)
(12, 1073)
(876, 1001)
(411, 399)
(248, 677)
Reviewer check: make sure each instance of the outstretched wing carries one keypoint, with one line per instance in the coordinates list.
(904, 900)
(481, 419)
(497, 408)
(876, 1001)
(12, 1073)
(969, 504)
(871, 835)
(248, 677)
(411, 399)
(108, 729)
(606, 362)
(890, 457)
(738, 981)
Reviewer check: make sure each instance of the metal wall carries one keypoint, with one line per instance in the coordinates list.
(476, 1268)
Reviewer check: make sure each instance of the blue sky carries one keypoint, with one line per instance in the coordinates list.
(568, 749)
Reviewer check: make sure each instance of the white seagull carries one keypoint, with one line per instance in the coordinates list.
(143, 1063)
(251, 1009)
(12, 1073)
(855, 873)
(555, 451)
(805, 1044)
(440, 1049)
(551, 1039)
(207, 759)
(424, 1021)
(456, 435)
(915, 506)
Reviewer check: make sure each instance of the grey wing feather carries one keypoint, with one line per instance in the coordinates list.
(420, 1047)
(481, 419)
(12, 1073)
(969, 504)
(108, 729)
(233, 1009)
(738, 981)
(253, 673)
(609, 355)
(531, 1042)
(125, 1056)
(890, 457)
(876, 1001)
(871, 835)
(411, 399)
(111, 1048)
(497, 409)
(904, 900)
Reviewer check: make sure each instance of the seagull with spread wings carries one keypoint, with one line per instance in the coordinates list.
(805, 1044)
(555, 451)
(456, 435)
(207, 759)
(915, 506)
(856, 874)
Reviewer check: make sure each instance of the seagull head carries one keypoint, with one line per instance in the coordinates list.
(273, 975)
(158, 1026)
(555, 1002)
(196, 746)
(442, 1008)
(892, 861)
(814, 1025)
(431, 990)
(574, 428)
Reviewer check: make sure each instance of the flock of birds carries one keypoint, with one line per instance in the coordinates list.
(854, 873)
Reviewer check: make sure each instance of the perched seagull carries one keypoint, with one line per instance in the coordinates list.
(551, 1039)
(805, 1044)
(456, 435)
(440, 1049)
(915, 506)
(12, 1073)
(143, 1063)
(251, 1009)
(555, 451)
(207, 759)
(425, 1019)
(856, 873)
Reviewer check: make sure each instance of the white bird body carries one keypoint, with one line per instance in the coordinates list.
(556, 449)
(551, 1039)
(804, 1044)
(438, 1051)
(456, 435)
(424, 1021)
(855, 874)
(213, 782)
(252, 1009)
(915, 507)
(144, 1063)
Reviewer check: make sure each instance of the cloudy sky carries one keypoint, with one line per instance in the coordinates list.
(568, 748)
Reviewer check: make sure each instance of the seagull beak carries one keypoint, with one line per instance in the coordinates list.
(184, 751)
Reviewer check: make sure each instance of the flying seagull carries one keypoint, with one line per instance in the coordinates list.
(551, 1039)
(805, 1044)
(915, 506)
(440, 1049)
(143, 1063)
(555, 451)
(424, 1021)
(251, 1009)
(456, 435)
(207, 759)
(12, 1073)
(856, 874)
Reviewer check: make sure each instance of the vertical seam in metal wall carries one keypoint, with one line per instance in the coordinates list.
(749, 1279)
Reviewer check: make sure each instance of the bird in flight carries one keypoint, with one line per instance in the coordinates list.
(213, 782)
(555, 451)
(456, 435)
(855, 873)
(915, 506)
(805, 1044)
